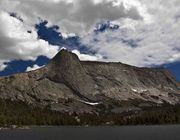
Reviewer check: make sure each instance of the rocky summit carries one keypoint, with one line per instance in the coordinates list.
(67, 84)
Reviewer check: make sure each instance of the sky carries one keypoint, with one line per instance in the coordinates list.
(141, 33)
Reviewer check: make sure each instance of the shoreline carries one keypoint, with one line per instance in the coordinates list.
(15, 127)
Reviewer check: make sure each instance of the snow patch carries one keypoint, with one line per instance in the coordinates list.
(93, 104)
(89, 103)
(139, 90)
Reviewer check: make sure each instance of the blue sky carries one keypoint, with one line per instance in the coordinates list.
(132, 32)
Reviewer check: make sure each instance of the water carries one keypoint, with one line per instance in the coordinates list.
(94, 133)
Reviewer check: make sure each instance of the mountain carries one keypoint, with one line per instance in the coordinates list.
(69, 85)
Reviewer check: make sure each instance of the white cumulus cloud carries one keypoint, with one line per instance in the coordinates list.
(34, 67)
(17, 43)
(2, 65)
(87, 57)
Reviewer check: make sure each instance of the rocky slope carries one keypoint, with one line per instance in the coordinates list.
(70, 85)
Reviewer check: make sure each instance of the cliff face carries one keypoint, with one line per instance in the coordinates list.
(68, 84)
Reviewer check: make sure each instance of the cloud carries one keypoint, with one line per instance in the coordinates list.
(87, 57)
(148, 35)
(34, 67)
(77, 16)
(139, 48)
(142, 43)
(2, 66)
(17, 43)
(73, 16)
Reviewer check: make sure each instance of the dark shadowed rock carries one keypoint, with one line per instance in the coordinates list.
(66, 68)
(68, 84)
